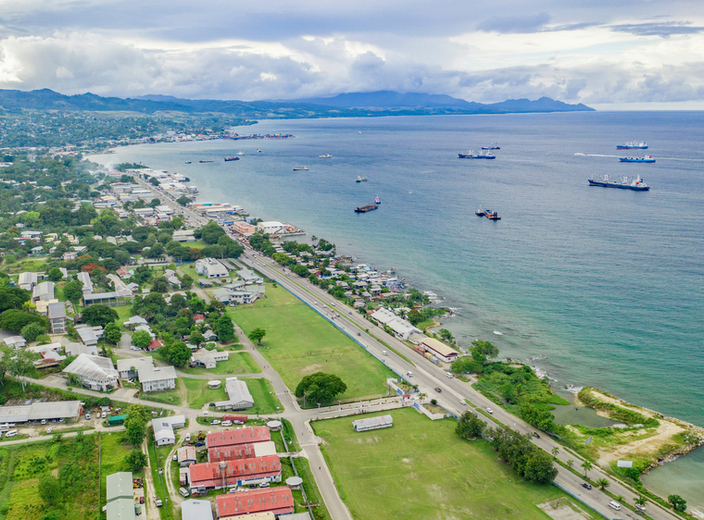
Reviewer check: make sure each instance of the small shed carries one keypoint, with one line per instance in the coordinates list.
(373, 423)
(214, 384)
(274, 425)
(115, 420)
(294, 482)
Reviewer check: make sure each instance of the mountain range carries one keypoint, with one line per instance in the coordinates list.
(360, 104)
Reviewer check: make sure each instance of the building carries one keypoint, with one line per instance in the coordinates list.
(50, 355)
(186, 455)
(208, 358)
(124, 366)
(56, 312)
(439, 349)
(27, 281)
(373, 423)
(84, 278)
(89, 335)
(43, 292)
(278, 500)
(111, 299)
(271, 227)
(135, 321)
(183, 235)
(164, 429)
(94, 372)
(15, 342)
(120, 496)
(242, 472)
(238, 436)
(238, 395)
(66, 410)
(241, 451)
(401, 327)
(196, 510)
(154, 379)
(249, 277)
(210, 268)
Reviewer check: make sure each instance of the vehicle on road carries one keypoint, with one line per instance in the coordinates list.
(586, 485)
(48, 430)
(188, 437)
(640, 508)
(359, 334)
(449, 375)
(489, 411)
(135, 348)
(615, 505)
(409, 374)
(463, 402)
(158, 502)
(11, 433)
(536, 435)
(438, 389)
(384, 353)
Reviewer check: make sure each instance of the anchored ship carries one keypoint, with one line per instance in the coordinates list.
(632, 145)
(481, 155)
(364, 209)
(228, 159)
(646, 159)
(624, 183)
(300, 168)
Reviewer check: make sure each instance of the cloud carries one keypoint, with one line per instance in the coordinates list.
(663, 29)
(516, 24)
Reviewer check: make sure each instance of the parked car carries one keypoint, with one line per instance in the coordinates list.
(264, 485)
(48, 430)
(489, 410)
(212, 404)
(586, 485)
(214, 422)
(199, 444)
(87, 417)
(11, 433)
(640, 508)
(43, 422)
(438, 389)
(226, 423)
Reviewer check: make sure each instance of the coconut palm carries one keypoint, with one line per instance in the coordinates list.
(555, 451)
(602, 483)
(570, 463)
(587, 466)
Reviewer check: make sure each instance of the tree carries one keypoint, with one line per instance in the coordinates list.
(465, 365)
(224, 329)
(320, 387)
(74, 291)
(160, 284)
(602, 483)
(32, 331)
(14, 320)
(640, 500)
(257, 335)
(570, 463)
(99, 315)
(587, 466)
(13, 297)
(178, 354)
(112, 333)
(141, 339)
(136, 460)
(555, 452)
(469, 426)
(55, 274)
(481, 350)
(678, 503)
(196, 338)
(539, 467)
(49, 490)
(183, 200)
(19, 363)
(136, 424)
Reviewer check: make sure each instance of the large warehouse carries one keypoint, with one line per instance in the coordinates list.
(66, 410)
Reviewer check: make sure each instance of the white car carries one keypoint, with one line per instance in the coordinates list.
(48, 430)
(489, 410)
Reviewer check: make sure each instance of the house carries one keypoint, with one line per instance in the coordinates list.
(76, 349)
(134, 321)
(241, 451)
(27, 281)
(198, 319)
(67, 410)
(164, 429)
(208, 358)
(89, 335)
(155, 344)
(154, 379)
(56, 312)
(238, 395)
(238, 436)
(50, 355)
(232, 473)
(125, 366)
(15, 342)
(186, 455)
(277, 500)
(69, 255)
(197, 510)
(439, 349)
(210, 268)
(401, 327)
(249, 277)
(43, 291)
(94, 372)
(209, 335)
(123, 273)
(84, 278)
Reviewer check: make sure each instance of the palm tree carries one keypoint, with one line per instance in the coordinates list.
(620, 498)
(570, 463)
(602, 483)
(555, 451)
(640, 501)
(587, 466)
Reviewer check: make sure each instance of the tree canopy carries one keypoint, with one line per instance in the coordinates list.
(320, 387)
(257, 335)
(99, 315)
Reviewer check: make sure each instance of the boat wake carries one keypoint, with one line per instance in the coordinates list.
(595, 155)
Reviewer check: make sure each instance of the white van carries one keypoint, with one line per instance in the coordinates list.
(226, 423)
(188, 437)
(183, 492)
(409, 374)
(615, 505)
(449, 375)
(11, 433)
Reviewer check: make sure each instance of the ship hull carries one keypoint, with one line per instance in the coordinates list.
(625, 147)
(619, 186)
(626, 159)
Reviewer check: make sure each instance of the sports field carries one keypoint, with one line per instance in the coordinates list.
(299, 342)
(420, 470)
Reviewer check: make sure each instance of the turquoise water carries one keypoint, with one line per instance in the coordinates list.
(596, 286)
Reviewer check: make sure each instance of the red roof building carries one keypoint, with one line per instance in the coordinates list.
(155, 344)
(233, 418)
(238, 436)
(235, 473)
(278, 500)
(198, 318)
(237, 452)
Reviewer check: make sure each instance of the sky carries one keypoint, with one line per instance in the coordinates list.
(607, 54)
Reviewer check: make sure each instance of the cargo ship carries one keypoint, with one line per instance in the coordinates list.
(480, 155)
(646, 159)
(492, 146)
(360, 179)
(632, 145)
(300, 168)
(491, 215)
(624, 183)
(204, 161)
(228, 159)
(368, 207)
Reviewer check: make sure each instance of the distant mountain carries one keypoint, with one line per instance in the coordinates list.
(369, 104)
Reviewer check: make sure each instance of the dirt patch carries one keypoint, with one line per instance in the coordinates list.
(643, 447)
(563, 509)
(311, 369)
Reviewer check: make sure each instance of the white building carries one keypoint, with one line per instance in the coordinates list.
(84, 278)
(238, 394)
(401, 327)
(164, 429)
(94, 372)
(210, 268)
(270, 227)
(439, 349)
(155, 379)
(43, 291)
(373, 423)
(208, 358)
(124, 366)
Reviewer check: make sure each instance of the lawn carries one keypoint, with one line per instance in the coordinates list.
(299, 342)
(265, 400)
(419, 469)
(156, 461)
(124, 313)
(238, 363)
(174, 397)
(113, 450)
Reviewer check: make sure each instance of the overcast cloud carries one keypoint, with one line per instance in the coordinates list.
(595, 52)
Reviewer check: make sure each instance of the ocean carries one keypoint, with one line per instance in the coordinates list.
(596, 286)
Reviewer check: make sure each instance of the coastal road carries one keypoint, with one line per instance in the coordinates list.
(429, 376)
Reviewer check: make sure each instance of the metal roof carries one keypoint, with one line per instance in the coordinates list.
(56, 310)
(95, 368)
(197, 510)
(149, 373)
(119, 485)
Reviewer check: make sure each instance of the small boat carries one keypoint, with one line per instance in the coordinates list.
(480, 213)
(492, 215)
(204, 161)
(228, 159)
(481, 155)
(624, 183)
(646, 159)
(241, 154)
(377, 200)
(326, 156)
(492, 146)
(188, 162)
(632, 145)
(300, 168)
(498, 333)
(360, 179)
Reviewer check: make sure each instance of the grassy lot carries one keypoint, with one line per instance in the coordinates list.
(199, 394)
(113, 450)
(265, 400)
(419, 469)
(239, 363)
(174, 397)
(157, 459)
(299, 342)
(124, 313)
(33, 265)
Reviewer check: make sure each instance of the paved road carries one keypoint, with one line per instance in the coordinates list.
(429, 376)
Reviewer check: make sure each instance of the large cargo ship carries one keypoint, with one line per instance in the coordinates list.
(364, 209)
(481, 155)
(646, 159)
(228, 159)
(632, 145)
(624, 183)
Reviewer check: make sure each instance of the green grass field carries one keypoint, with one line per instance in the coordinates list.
(265, 400)
(420, 470)
(239, 363)
(198, 393)
(174, 397)
(299, 342)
